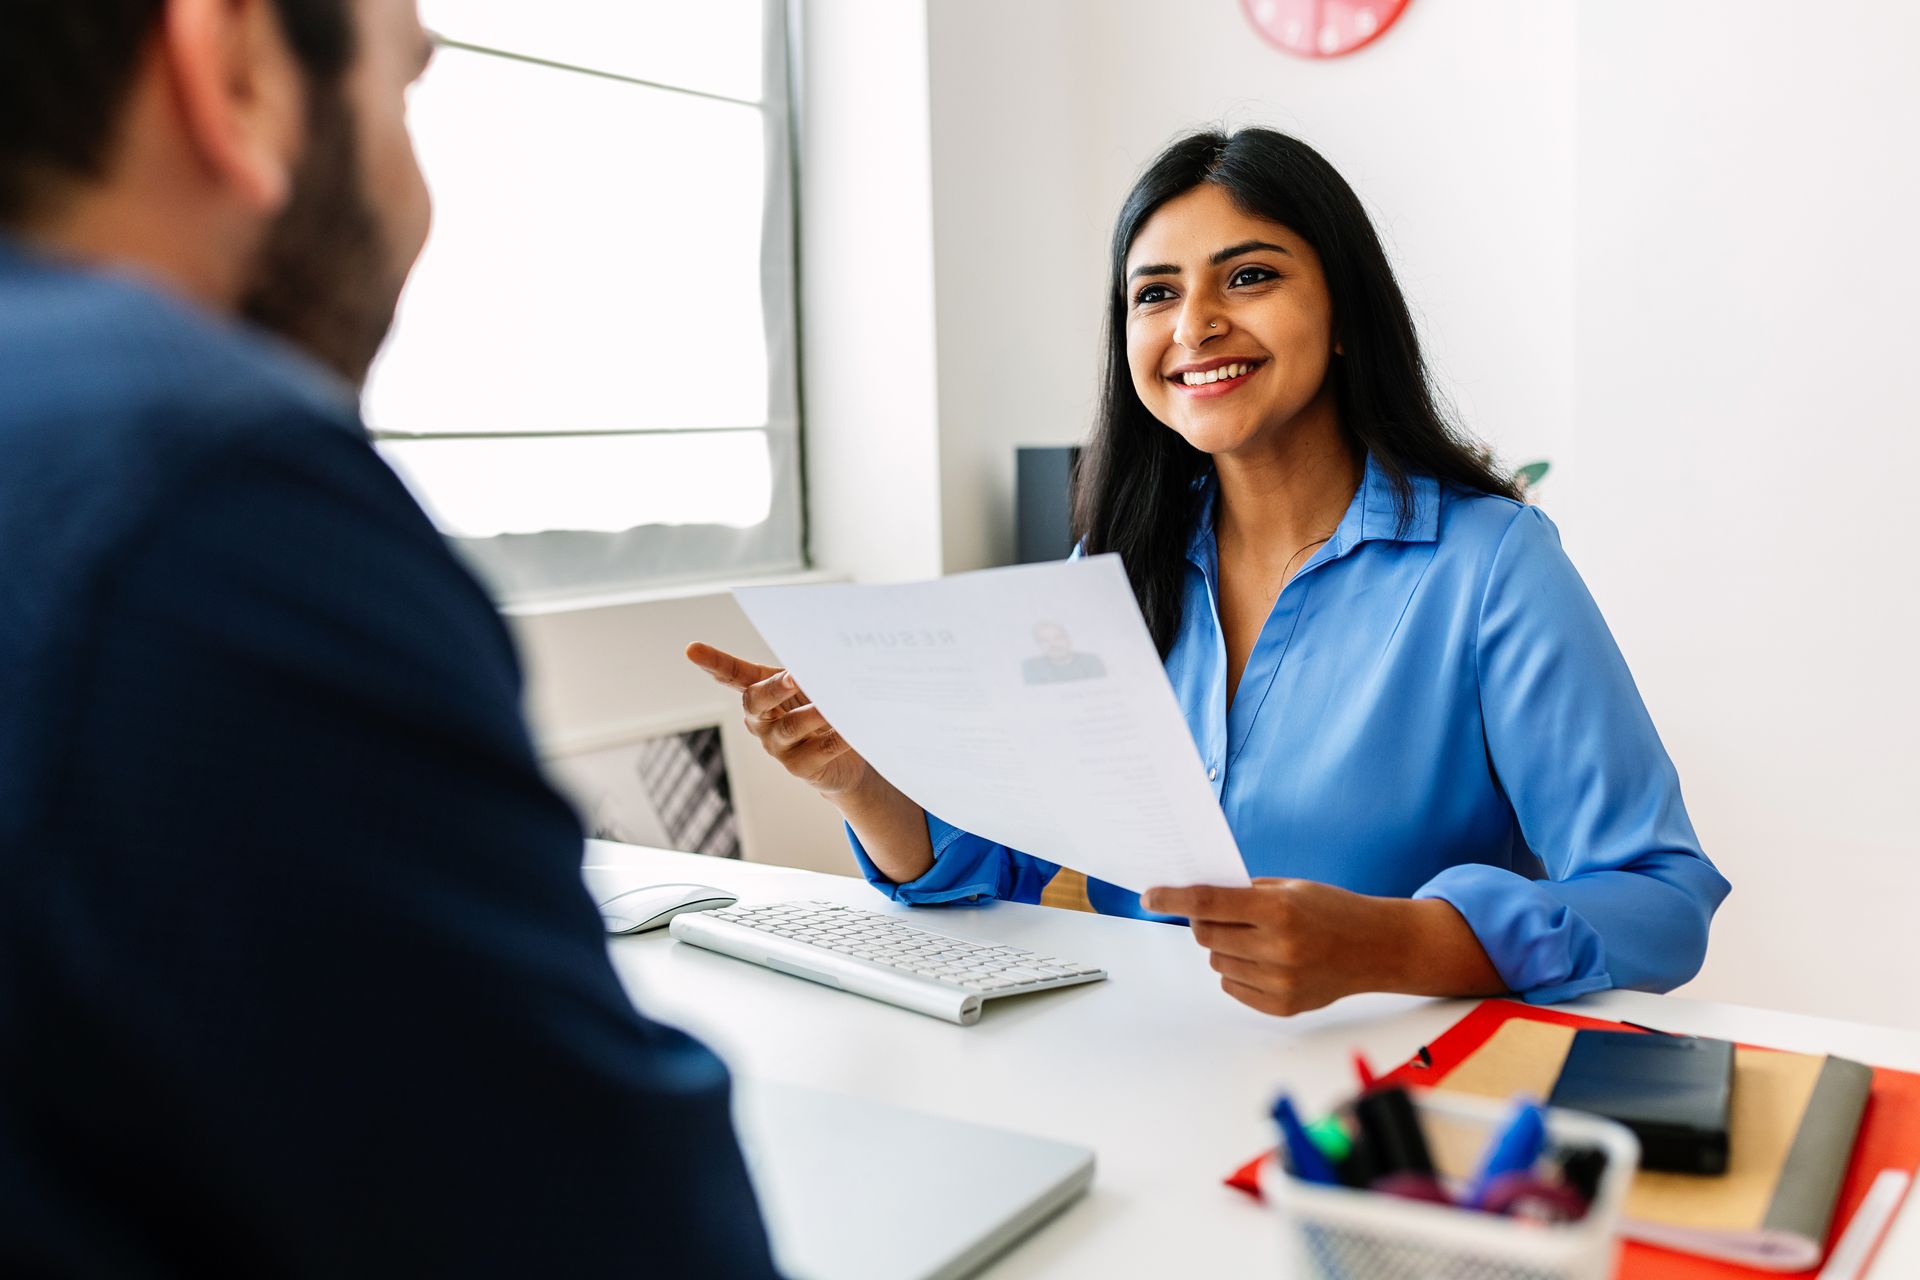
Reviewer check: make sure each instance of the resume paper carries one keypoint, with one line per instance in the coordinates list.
(1027, 705)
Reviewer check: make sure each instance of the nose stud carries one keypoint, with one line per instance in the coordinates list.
(1213, 324)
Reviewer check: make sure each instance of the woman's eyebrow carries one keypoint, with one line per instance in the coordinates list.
(1246, 246)
(1231, 251)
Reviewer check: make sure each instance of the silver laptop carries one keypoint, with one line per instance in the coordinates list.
(857, 1190)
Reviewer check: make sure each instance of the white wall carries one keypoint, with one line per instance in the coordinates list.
(868, 372)
(1737, 490)
(1664, 245)
(1018, 253)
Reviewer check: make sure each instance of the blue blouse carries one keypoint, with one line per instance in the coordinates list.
(1437, 711)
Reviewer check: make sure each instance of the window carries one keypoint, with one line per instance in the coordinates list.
(590, 383)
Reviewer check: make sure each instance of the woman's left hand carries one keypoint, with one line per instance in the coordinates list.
(1287, 946)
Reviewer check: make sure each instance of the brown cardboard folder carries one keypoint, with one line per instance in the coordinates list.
(1792, 1130)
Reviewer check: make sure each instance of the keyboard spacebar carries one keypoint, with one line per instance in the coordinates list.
(802, 961)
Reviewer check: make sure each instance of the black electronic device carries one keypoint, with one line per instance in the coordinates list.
(1674, 1092)
(1043, 500)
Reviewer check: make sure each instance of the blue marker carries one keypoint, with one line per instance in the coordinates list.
(1304, 1157)
(1514, 1151)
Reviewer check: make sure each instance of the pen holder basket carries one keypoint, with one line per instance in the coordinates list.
(1342, 1233)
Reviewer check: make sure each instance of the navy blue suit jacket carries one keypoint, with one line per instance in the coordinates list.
(297, 974)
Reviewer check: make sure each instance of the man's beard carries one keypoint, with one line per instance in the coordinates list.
(322, 278)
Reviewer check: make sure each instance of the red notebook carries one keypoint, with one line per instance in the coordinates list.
(1889, 1133)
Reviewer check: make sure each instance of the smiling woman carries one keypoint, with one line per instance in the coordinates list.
(1426, 744)
(1276, 293)
(1217, 259)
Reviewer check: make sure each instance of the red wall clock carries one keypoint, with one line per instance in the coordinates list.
(1322, 28)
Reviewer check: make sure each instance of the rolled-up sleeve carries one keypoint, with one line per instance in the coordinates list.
(966, 868)
(1628, 894)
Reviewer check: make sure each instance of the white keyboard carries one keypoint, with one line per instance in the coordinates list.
(875, 955)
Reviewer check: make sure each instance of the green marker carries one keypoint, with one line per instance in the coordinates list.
(1335, 1143)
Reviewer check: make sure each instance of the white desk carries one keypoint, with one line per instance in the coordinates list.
(1156, 1069)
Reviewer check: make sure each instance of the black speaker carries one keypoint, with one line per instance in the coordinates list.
(1043, 498)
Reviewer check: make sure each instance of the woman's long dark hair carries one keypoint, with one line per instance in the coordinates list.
(1135, 490)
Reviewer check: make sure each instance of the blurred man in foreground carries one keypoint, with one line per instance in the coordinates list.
(297, 974)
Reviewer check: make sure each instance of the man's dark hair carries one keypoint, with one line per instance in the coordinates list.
(66, 67)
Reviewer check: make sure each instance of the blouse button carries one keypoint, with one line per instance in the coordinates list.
(1213, 773)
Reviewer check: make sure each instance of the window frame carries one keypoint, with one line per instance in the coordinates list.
(552, 567)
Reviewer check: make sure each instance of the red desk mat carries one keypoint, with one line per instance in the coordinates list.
(1889, 1133)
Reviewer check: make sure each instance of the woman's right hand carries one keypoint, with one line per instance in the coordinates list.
(892, 828)
(790, 728)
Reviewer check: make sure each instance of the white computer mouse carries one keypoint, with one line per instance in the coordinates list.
(651, 906)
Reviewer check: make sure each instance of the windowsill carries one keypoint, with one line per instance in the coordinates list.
(586, 602)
